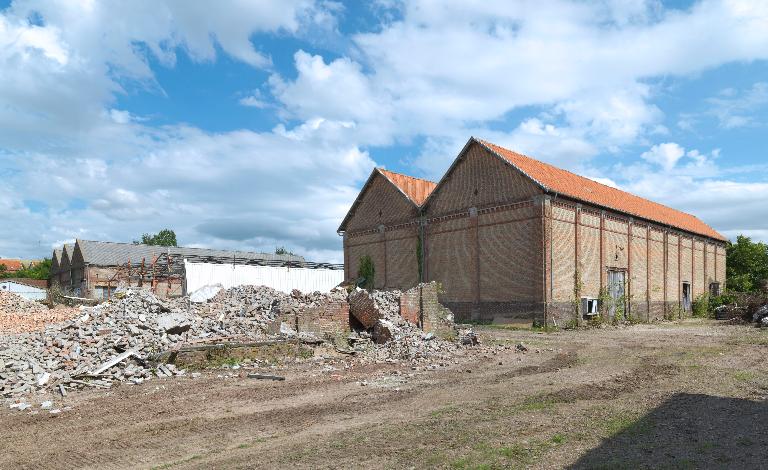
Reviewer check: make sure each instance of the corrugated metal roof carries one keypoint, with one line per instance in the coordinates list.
(100, 253)
(584, 189)
(37, 283)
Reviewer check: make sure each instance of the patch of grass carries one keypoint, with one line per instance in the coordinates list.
(486, 456)
(536, 404)
(558, 439)
(624, 422)
(744, 375)
(446, 410)
(178, 462)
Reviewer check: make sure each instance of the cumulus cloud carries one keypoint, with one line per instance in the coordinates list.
(563, 81)
(665, 155)
(446, 68)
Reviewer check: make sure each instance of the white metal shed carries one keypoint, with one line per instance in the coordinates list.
(24, 290)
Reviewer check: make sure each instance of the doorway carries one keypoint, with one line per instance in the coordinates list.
(616, 283)
(686, 296)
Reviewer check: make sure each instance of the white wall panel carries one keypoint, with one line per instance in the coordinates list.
(278, 278)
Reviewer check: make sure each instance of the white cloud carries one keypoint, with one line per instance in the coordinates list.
(254, 100)
(736, 108)
(447, 68)
(442, 71)
(664, 155)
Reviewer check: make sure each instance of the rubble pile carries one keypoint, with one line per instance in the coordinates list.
(761, 316)
(395, 337)
(19, 315)
(118, 340)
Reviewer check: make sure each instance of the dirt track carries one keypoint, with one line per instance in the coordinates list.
(688, 395)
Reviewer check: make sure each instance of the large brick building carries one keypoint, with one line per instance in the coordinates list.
(511, 238)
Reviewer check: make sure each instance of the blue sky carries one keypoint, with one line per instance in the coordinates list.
(254, 124)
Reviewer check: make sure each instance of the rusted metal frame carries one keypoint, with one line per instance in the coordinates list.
(154, 279)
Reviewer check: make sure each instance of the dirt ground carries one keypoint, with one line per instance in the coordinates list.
(673, 395)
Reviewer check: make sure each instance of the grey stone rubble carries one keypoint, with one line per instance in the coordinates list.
(113, 342)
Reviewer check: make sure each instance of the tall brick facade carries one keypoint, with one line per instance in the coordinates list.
(506, 248)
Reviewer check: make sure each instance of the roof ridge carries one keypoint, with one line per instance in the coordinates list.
(403, 174)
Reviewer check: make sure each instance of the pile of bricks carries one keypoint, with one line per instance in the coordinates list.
(19, 315)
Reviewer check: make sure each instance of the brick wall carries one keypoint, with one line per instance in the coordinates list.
(327, 320)
(632, 246)
(483, 241)
(421, 306)
(478, 180)
(383, 227)
(503, 252)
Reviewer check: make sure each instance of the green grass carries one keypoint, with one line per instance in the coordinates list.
(516, 455)
(178, 462)
(744, 375)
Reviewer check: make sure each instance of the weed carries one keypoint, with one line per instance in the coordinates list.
(700, 306)
(558, 439)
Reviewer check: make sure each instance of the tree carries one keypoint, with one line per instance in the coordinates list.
(165, 237)
(366, 273)
(41, 270)
(747, 264)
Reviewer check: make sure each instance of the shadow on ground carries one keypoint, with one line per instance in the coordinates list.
(689, 431)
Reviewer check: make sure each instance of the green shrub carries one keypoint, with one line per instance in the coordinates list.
(366, 272)
(700, 307)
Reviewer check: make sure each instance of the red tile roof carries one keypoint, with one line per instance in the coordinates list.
(11, 264)
(416, 189)
(584, 189)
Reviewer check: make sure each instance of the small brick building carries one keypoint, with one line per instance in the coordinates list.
(512, 239)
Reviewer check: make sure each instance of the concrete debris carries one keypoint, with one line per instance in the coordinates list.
(468, 337)
(205, 293)
(118, 340)
(760, 313)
